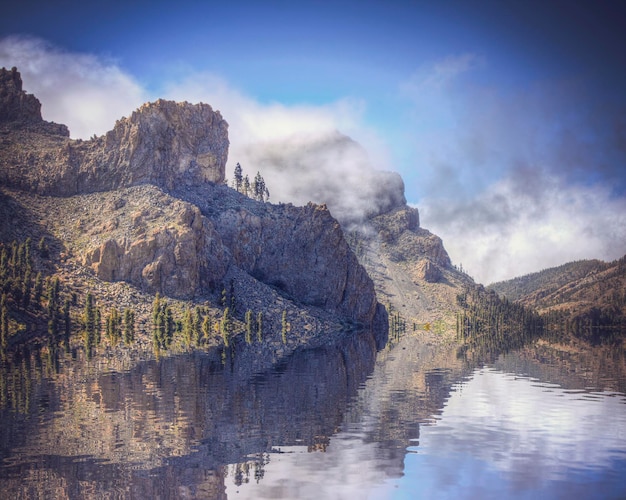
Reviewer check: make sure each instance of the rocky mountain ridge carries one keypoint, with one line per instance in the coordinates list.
(144, 204)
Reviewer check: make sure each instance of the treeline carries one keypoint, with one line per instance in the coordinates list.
(28, 301)
(489, 324)
(597, 325)
(40, 309)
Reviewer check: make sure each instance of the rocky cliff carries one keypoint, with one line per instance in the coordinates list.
(20, 110)
(162, 143)
(409, 265)
(144, 204)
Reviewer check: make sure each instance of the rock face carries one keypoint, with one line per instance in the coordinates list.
(156, 242)
(162, 143)
(303, 253)
(400, 231)
(20, 110)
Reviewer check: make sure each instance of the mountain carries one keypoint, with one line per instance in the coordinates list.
(410, 267)
(141, 218)
(143, 210)
(586, 297)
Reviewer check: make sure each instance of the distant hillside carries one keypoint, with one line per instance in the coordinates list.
(545, 280)
(585, 298)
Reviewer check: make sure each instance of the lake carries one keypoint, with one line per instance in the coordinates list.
(413, 420)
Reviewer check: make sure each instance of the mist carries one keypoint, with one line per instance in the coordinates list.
(82, 91)
(516, 181)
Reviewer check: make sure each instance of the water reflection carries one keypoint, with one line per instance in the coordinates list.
(503, 435)
(168, 426)
(341, 421)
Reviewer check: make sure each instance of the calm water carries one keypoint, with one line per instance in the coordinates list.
(411, 421)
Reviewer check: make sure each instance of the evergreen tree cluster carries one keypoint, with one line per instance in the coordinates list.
(255, 189)
(21, 291)
(491, 324)
(27, 302)
(397, 324)
(163, 325)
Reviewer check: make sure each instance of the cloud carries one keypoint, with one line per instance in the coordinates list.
(440, 75)
(528, 221)
(520, 179)
(82, 91)
(300, 150)
(513, 181)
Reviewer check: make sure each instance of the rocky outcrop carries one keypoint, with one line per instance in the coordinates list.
(400, 233)
(300, 252)
(303, 253)
(164, 143)
(19, 110)
(428, 271)
(172, 250)
(145, 204)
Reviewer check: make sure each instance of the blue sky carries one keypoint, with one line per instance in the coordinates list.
(506, 119)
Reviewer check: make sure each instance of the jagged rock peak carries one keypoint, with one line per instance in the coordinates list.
(166, 142)
(21, 110)
(163, 143)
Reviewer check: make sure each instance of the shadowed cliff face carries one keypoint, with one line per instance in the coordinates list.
(301, 251)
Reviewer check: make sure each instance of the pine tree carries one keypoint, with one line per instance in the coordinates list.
(258, 187)
(232, 297)
(129, 326)
(53, 306)
(113, 326)
(89, 323)
(4, 322)
(44, 251)
(67, 322)
(4, 264)
(259, 326)
(246, 185)
(37, 289)
(225, 326)
(207, 327)
(196, 327)
(98, 336)
(238, 178)
(248, 326)
(187, 326)
(169, 327)
(26, 287)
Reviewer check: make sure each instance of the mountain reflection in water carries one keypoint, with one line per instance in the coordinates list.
(413, 421)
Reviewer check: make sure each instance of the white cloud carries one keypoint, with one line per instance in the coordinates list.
(514, 180)
(438, 76)
(298, 148)
(476, 152)
(82, 91)
(506, 231)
